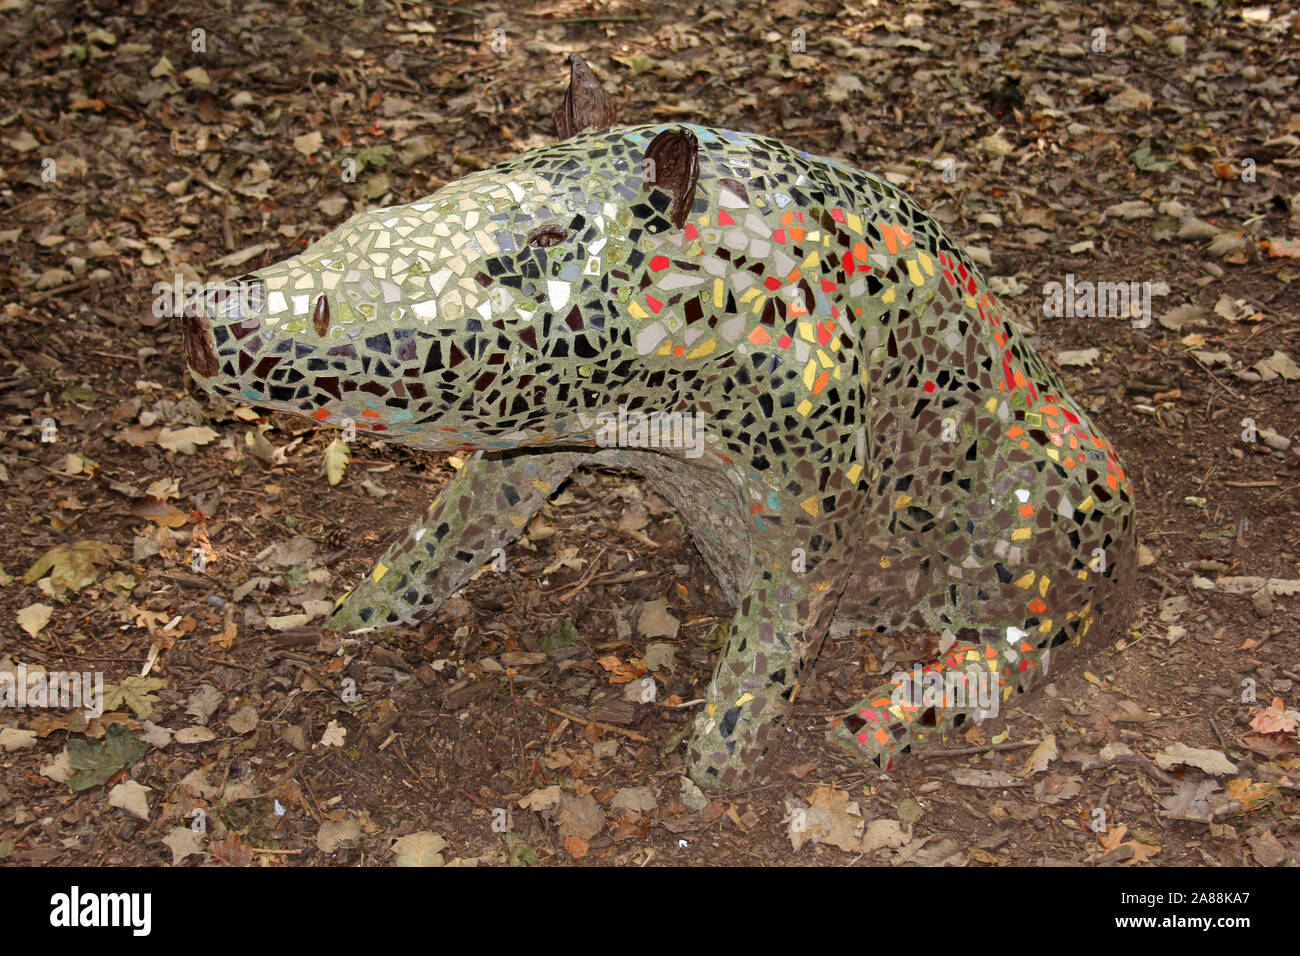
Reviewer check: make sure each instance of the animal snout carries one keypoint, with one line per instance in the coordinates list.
(233, 306)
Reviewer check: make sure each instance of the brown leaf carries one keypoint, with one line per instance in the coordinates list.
(631, 826)
(620, 672)
(579, 816)
(1271, 746)
(135, 435)
(158, 511)
(1129, 712)
(1267, 849)
(230, 851)
(1273, 719)
(1113, 839)
(1249, 794)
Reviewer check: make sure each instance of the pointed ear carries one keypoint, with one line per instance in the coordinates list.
(672, 163)
(586, 105)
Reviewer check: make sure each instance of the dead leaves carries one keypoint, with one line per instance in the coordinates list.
(334, 736)
(135, 692)
(985, 779)
(1275, 719)
(158, 511)
(1210, 761)
(131, 797)
(1278, 365)
(541, 801)
(1274, 733)
(1250, 794)
(419, 849)
(1121, 850)
(308, 143)
(72, 567)
(1043, 755)
(13, 738)
(34, 617)
(335, 460)
(94, 764)
(620, 671)
(1198, 800)
(656, 621)
(183, 842)
(579, 817)
(186, 440)
(1281, 248)
(230, 850)
(1128, 100)
(833, 819)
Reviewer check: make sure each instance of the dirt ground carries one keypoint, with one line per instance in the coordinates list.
(1162, 149)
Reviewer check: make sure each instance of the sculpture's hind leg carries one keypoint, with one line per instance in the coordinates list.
(971, 680)
(483, 508)
(1012, 580)
(986, 665)
(926, 702)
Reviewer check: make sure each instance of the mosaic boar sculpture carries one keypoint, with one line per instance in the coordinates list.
(869, 443)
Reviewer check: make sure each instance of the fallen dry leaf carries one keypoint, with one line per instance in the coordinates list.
(1113, 839)
(186, 440)
(34, 617)
(1249, 794)
(620, 671)
(1211, 761)
(1273, 719)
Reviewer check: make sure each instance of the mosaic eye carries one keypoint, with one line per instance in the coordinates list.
(547, 235)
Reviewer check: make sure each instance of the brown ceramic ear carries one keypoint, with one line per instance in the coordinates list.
(675, 155)
(586, 105)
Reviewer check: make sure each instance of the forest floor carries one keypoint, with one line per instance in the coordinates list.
(1154, 143)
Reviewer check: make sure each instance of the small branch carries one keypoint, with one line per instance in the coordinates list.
(1148, 767)
(619, 19)
(216, 660)
(1216, 378)
(463, 12)
(608, 728)
(137, 115)
(1218, 733)
(967, 751)
(70, 287)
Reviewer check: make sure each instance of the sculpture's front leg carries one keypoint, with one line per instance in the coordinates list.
(483, 508)
(778, 629)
